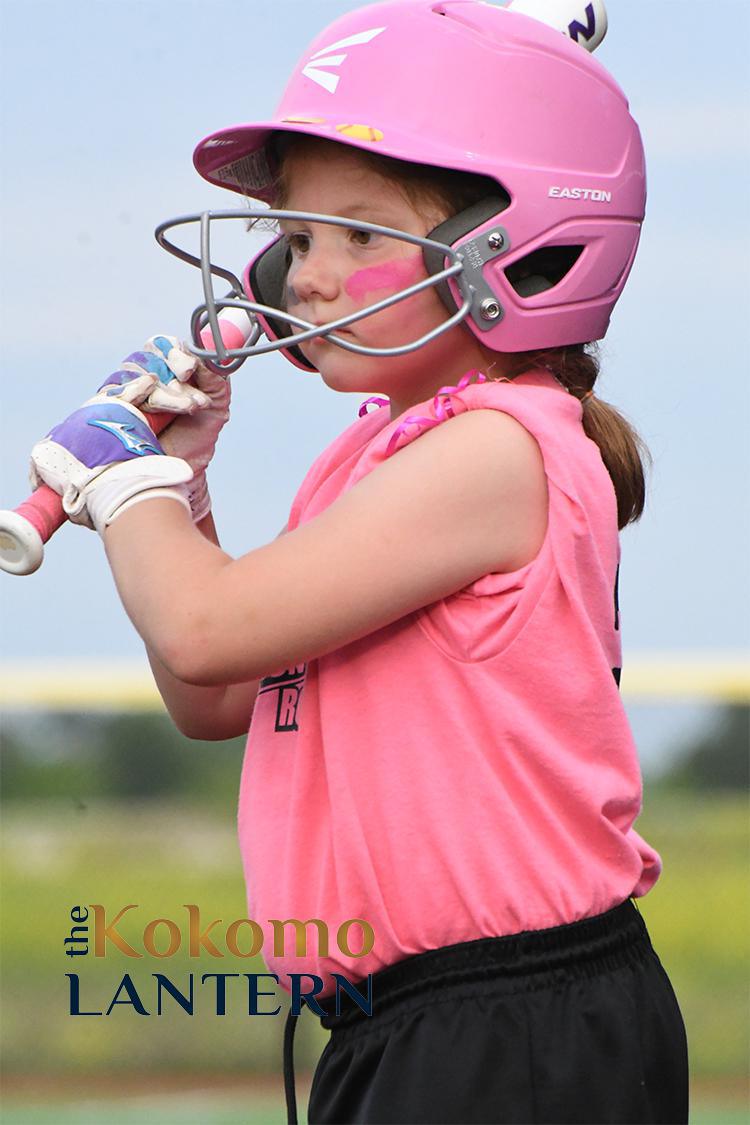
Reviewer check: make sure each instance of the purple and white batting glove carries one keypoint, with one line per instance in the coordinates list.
(165, 376)
(103, 459)
(157, 378)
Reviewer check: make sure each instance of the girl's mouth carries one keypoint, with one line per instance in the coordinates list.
(336, 332)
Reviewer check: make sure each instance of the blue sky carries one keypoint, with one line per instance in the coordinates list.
(102, 104)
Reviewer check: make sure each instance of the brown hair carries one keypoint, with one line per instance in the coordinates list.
(575, 366)
(622, 449)
(426, 188)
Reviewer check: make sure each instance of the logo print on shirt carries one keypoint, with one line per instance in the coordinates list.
(289, 685)
(323, 58)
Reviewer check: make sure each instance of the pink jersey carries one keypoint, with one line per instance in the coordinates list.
(467, 771)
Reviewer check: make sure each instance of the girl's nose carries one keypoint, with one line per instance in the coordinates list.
(313, 276)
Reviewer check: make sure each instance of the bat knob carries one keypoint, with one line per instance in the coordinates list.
(21, 547)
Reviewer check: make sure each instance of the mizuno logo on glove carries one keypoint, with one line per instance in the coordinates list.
(133, 442)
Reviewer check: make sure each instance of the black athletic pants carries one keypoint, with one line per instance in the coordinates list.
(576, 1023)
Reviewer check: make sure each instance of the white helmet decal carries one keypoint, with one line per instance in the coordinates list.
(324, 78)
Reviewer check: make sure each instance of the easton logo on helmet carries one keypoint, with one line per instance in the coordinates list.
(324, 58)
(597, 194)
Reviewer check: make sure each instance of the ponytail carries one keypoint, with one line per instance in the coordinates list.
(623, 451)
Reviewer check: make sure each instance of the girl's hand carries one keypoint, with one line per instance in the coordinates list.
(103, 459)
(156, 380)
(193, 437)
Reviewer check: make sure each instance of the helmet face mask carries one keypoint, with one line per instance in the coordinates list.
(488, 92)
(261, 292)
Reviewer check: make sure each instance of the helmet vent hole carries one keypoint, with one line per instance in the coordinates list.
(542, 269)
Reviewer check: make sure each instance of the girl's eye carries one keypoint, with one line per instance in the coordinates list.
(298, 243)
(361, 237)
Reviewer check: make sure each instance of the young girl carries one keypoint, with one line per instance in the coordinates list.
(428, 657)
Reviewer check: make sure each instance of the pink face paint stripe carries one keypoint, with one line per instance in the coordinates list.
(393, 275)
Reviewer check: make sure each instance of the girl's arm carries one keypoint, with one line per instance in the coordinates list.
(466, 499)
(211, 713)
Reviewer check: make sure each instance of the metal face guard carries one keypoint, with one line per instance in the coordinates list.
(207, 314)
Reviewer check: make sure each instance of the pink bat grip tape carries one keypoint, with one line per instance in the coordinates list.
(44, 512)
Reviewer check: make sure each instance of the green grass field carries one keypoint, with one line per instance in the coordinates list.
(217, 1107)
(62, 1069)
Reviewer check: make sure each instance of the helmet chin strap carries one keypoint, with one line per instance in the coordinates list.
(279, 320)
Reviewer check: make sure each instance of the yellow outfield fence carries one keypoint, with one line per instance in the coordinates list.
(109, 685)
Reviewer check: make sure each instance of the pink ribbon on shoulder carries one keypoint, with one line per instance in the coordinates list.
(442, 406)
(378, 402)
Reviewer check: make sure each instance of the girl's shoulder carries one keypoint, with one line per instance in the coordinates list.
(535, 400)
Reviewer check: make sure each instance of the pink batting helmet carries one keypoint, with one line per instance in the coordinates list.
(469, 86)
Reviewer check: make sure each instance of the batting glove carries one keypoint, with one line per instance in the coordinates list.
(156, 379)
(103, 459)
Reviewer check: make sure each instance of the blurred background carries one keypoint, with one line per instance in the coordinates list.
(101, 105)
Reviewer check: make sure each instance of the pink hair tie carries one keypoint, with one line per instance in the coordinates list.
(443, 409)
(378, 402)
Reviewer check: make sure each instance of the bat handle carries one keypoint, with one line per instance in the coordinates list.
(24, 531)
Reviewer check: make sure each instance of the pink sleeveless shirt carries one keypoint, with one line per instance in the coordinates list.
(467, 771)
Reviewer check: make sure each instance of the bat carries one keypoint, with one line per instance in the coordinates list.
(25, 530)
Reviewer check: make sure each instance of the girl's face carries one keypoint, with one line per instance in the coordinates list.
(338, 270)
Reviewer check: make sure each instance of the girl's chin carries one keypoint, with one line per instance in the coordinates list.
(342, 372)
